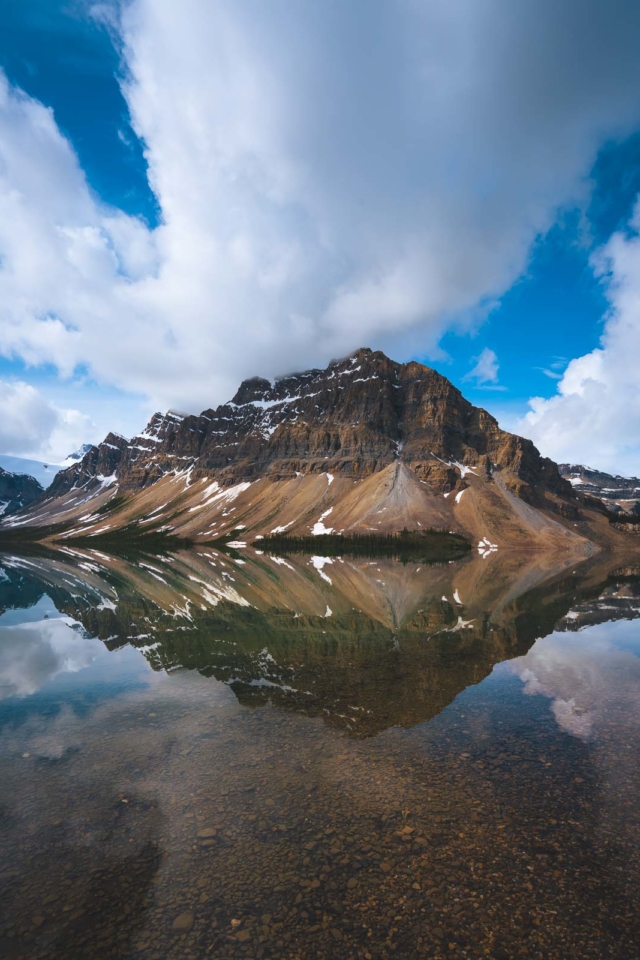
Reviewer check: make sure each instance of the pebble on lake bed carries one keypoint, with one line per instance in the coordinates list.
(183, 922)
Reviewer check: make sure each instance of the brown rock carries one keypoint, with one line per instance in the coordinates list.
(207, 832)
(183, 922)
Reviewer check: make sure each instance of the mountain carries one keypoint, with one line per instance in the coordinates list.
(620, 494)
(356, 417)
(76, 456)
(43, 472)
(366, 444)
(17, 490)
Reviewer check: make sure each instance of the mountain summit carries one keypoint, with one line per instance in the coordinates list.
(365, 444)
(77, 455)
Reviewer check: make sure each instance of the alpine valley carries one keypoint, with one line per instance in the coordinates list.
(366, 445)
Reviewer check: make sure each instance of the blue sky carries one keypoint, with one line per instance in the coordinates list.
(263, 206)
(61, 56)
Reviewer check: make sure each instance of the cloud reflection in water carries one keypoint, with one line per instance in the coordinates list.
(33, 653)
(587, 675)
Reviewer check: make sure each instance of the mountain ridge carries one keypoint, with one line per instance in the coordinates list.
(619, 494)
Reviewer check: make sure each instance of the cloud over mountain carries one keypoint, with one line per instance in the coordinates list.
(328, 175)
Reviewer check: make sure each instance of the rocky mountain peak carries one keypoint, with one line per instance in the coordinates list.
(161, 424)
(76, 455)
(249, 391)
(353, 418)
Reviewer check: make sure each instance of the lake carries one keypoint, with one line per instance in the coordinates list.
(208, 755)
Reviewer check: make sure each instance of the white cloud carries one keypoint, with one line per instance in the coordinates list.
(329, 175)
(485, 370)
(31, 426)
(555, 369)
(595, 416)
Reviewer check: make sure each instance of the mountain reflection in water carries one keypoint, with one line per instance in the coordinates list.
(146, 812)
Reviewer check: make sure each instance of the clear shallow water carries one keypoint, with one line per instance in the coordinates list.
(208, 764)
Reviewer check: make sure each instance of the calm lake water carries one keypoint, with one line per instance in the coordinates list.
(240, 756)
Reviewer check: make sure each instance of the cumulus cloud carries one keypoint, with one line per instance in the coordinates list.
(485, 371)
(31, 426)
(328, 176)
(595, 416)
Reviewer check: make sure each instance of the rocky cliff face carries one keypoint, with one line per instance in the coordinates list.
(17, 490)
(352, 419)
